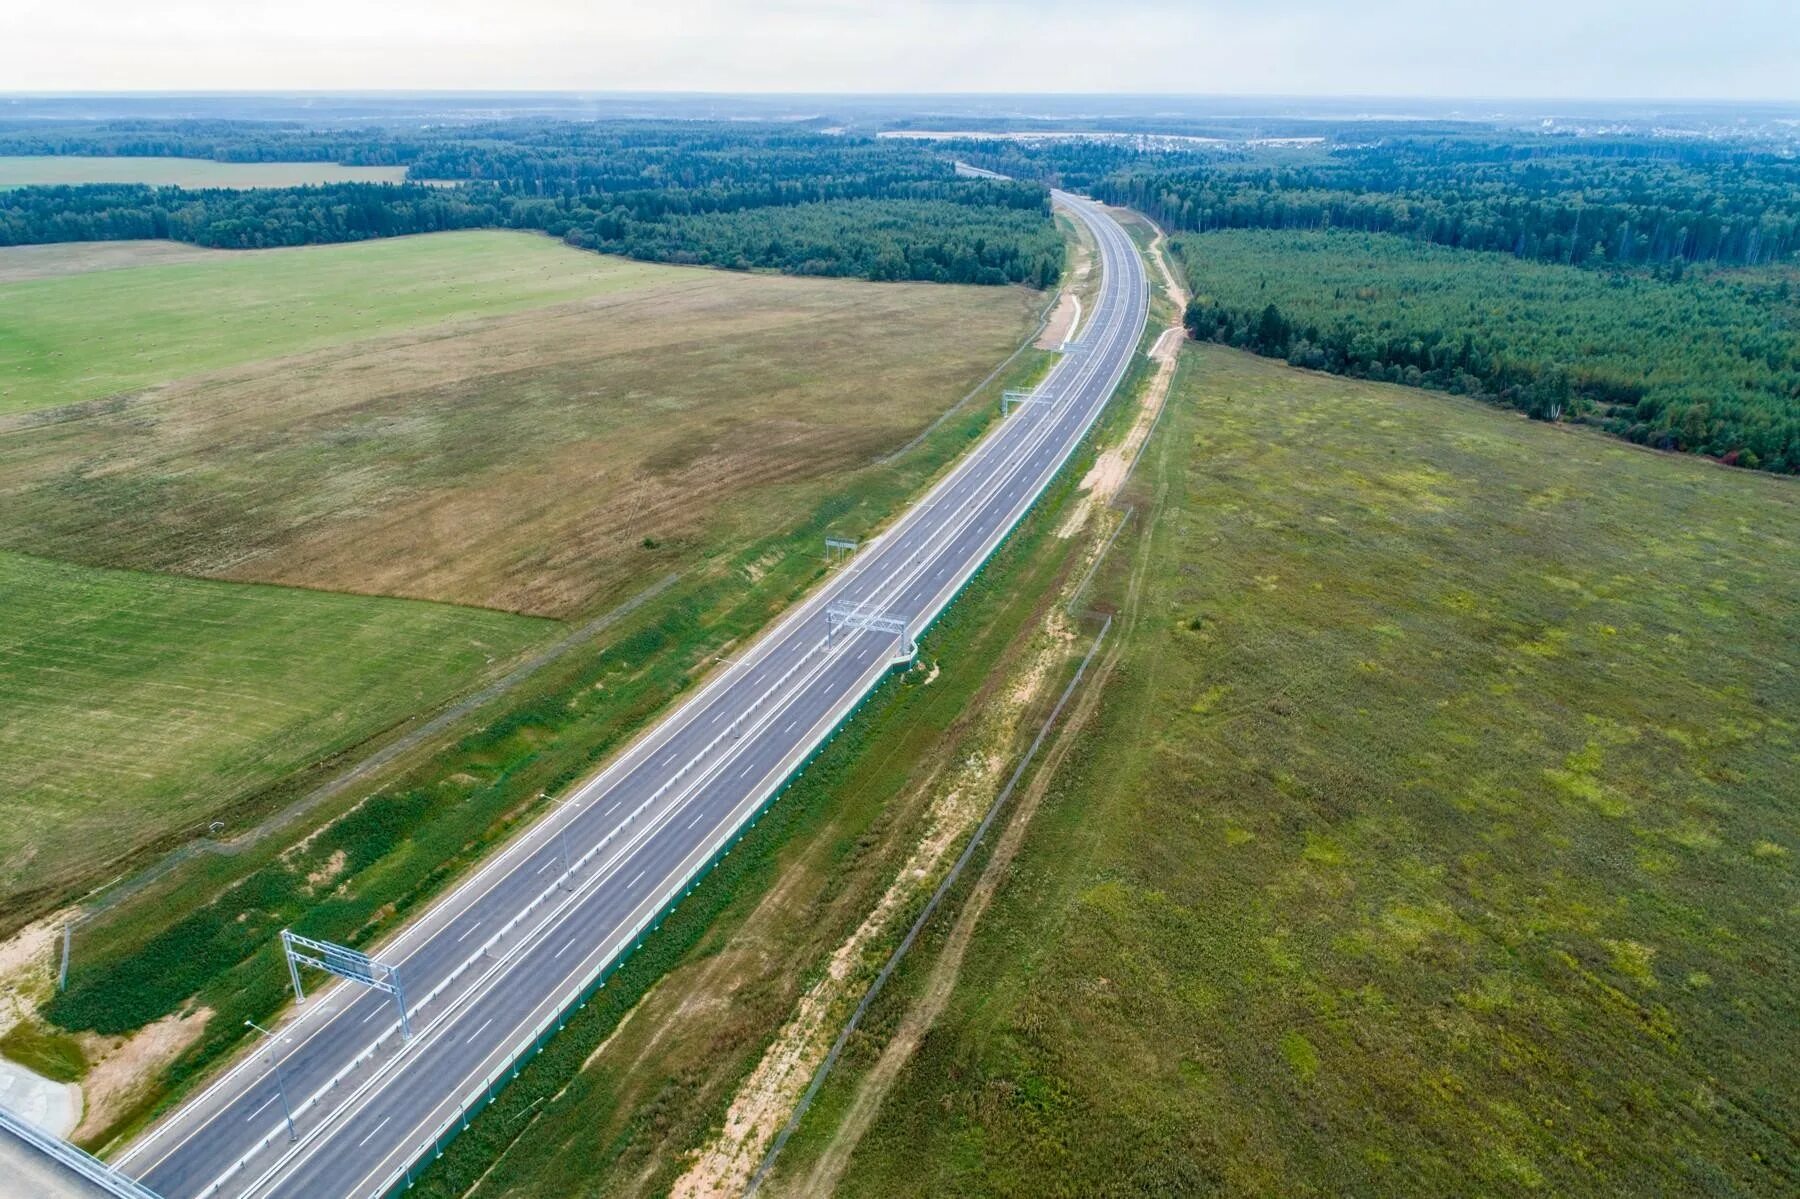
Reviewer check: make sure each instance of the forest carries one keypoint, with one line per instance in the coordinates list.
(1646, 286)
(1708, 363)
(1583, 202)
(727, 195)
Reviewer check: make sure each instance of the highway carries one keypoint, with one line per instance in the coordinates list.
(494, 965)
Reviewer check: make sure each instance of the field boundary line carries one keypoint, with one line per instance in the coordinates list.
(383, 756)
(1030, 340)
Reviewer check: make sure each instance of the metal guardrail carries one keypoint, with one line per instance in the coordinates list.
(76, 1159)
(560, 1008)
(559, 1011)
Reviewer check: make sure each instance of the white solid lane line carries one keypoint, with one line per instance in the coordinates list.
(958, 540)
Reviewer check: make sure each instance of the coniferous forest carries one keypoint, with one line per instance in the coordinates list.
(1649, 287)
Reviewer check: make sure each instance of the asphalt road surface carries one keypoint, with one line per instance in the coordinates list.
(492, 966)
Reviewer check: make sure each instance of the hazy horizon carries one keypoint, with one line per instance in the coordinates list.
(1654, 50)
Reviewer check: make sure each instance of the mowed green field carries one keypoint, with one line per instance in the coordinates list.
(1439, 832)
(134, 705)
(27, 170)
(92, 334)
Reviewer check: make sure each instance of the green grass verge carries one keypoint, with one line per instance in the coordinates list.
(1437, 833)
(56, 1056)
(572, 1122)
(137, 705)
(86, 336)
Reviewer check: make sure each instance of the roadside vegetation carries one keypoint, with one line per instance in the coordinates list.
(1436, 831)
(56, 1056)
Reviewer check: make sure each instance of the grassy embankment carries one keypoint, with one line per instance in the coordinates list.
(696, 1047)
(134, 702)
(27, 170)
(640, 1080)
(671, 381)
(1437, 832)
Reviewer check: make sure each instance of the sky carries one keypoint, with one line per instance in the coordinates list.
(1690, 49)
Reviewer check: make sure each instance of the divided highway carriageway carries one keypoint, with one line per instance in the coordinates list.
(490, 969)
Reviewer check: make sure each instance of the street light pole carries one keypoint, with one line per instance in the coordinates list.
(280, 1082)
(562, 845)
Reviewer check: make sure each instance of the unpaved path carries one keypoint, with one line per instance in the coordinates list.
(764, 1100)
(940, 983)
(829, 1168)
(1112, 465)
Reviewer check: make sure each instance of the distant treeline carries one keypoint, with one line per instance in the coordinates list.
(1648, 286)
(1708, 364)
(1580, 214)
(220, 141)
(729, 195)
(1581, 202)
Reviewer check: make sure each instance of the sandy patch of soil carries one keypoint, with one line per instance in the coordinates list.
(1113, 465)
(332, 867)
(28, 961)
(763, 1101)
(125, 1066)
(1061, 323)
(73, 258)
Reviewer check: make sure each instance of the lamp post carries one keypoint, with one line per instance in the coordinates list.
(280, 1082)
(562, 843)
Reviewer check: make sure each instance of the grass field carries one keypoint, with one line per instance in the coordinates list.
(137, 705)
(1437, 834)
(519, 460)
(18, 263)
(90, 335)
(28, 170)
(513, 424)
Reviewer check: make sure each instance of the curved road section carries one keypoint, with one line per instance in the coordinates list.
(492, 968)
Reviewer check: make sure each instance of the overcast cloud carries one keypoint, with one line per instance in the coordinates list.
(1726, 49)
